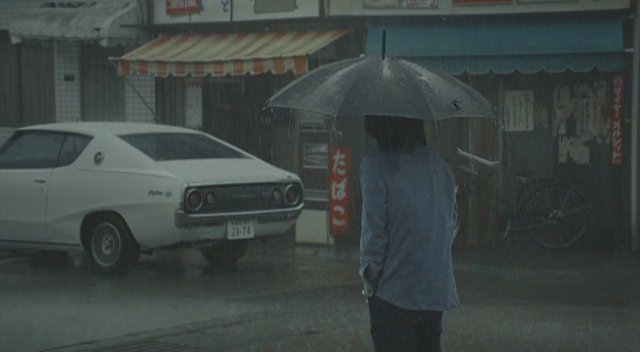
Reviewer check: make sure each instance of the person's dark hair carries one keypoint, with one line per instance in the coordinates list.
(395, 133)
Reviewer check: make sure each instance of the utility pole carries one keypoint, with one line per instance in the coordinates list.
(635, 100)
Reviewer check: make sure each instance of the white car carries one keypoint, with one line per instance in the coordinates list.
(116, 189)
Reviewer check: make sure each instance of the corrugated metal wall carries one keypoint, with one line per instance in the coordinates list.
(67, 81)
(36, 86)
(9, 84)
(136, 109)
(102, 88)
(170, 101)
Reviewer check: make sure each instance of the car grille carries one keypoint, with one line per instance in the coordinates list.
(250, 197)
(254, 197)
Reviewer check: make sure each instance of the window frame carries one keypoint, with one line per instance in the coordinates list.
(36, 164)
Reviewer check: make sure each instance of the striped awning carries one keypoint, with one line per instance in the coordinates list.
(234, 54)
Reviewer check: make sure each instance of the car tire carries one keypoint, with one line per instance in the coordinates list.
(109, 245)
(224, 253)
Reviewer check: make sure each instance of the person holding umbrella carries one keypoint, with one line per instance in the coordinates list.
(407, 232)
(407, 190)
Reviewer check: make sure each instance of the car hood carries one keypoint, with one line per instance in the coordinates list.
(226, 171)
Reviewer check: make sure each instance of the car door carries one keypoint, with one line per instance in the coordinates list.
(26, 164)
(67, 199)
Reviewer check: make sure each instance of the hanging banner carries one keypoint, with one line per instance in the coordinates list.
(339, 217)
(193, 104)
(518, 110)
(617, 94)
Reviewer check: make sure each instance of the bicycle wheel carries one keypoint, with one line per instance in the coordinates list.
(557, 216)
(528, 188)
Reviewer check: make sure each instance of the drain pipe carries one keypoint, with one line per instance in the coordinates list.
(635, 100)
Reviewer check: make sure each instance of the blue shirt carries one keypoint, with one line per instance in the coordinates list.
(408, 201)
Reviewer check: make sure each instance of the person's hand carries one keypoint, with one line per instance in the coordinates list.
(368, 273)
(367, 291)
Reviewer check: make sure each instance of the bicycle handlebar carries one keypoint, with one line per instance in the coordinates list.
(481, 160)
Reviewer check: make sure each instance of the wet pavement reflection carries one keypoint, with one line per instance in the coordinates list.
(299, 298)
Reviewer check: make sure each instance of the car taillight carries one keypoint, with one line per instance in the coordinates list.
(292, 194)
(209, 199)
(193, 199)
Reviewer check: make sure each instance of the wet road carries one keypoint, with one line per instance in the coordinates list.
(307, 299)
(43, 306)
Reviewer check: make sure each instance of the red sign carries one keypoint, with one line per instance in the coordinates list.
(339, 217)
(183, 7)
(617, 95)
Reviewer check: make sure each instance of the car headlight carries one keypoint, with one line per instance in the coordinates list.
(193, 199)
(292, 194)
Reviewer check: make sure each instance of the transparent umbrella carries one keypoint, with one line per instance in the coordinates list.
(382, 86)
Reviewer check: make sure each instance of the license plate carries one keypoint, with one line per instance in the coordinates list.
(240, 229)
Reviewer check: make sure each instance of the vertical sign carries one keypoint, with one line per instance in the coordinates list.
(193, 104)
(340, 163)
(518, 110)
(616, 120)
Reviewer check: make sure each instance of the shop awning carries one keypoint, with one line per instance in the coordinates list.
(233, 54)
(109, 22)
(507, 45)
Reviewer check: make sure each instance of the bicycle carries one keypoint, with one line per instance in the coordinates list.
(552, 212)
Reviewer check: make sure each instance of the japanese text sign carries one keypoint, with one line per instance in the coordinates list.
(617, 94)
(339, 165)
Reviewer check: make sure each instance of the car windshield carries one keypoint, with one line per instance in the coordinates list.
(180, 146)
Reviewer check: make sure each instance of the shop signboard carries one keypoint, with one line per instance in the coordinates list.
(399, 4)
(542, 1)
(617, 94)
(481, 2)
(463, 7)
(183, 7)
(339, 217)
(253, 10)
(191, 11)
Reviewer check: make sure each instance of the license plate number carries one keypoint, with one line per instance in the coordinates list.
(240, 229)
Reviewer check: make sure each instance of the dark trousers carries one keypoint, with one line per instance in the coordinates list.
(399, 330)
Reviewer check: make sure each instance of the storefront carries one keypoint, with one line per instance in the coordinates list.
(58, 69)
(552, 71)
(558, 85)
(217, 80)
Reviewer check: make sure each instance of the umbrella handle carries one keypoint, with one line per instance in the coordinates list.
(384, 44)
(479, 159)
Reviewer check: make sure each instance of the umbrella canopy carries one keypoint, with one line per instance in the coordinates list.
(375, 86)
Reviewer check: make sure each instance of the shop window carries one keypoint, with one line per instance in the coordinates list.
(313, 145)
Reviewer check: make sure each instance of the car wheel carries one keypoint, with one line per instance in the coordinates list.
(224, 253)
(110, 246)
